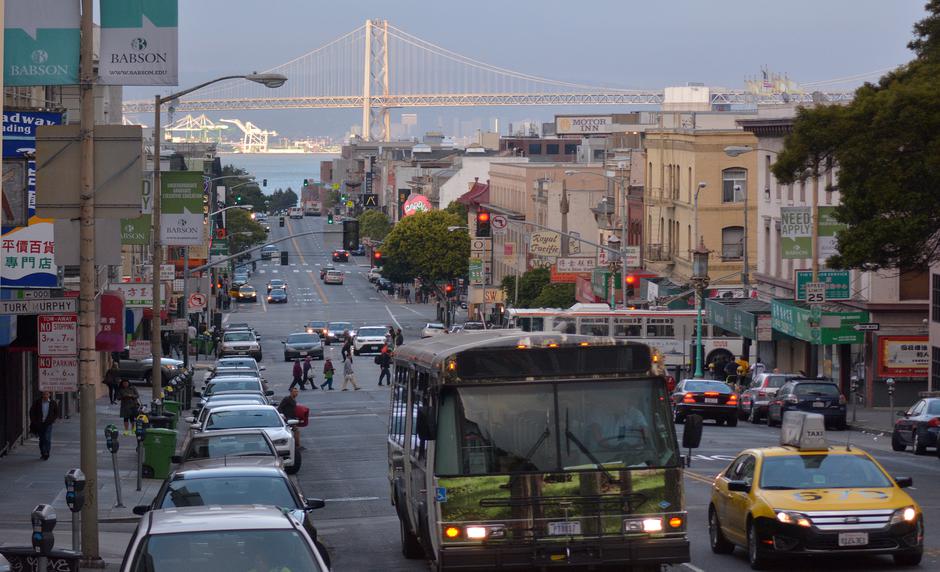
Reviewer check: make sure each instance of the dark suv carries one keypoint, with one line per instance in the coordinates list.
(809, 395)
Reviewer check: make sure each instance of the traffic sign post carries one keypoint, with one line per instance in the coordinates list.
(498, 223)
(867, 327)
(816, 292)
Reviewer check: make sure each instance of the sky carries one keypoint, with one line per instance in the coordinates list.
(618, 43)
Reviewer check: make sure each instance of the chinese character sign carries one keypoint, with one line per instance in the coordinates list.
(903, 356)
(27, 256)
(110, 336)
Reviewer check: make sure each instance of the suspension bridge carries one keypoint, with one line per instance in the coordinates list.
(378, 67)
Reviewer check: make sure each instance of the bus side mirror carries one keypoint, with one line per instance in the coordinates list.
(692, 434)
(424, 427)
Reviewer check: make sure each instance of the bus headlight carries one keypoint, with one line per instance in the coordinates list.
(649, 525)
(482, 532)
(476, 532)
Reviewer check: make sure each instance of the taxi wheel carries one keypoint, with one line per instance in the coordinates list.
(716, 538)
(755, 557)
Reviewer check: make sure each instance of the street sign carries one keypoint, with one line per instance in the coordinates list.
(48, 306)
(498, 223)
(631, 257)
(816, 292)
(58, 335)
(836, 281)
(197, 302)
(139, 349)
(476, 271)
(867, 327)
(58, 374)
(481, 244)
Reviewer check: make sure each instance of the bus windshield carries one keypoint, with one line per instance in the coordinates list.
(543, 427)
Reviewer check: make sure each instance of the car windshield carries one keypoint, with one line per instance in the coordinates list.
(377, 332)
(303, 339)
(317, 325)
(223, 399)
(827, 389)
(269, 248)
(243, 418)
(228, 491)
(554, 426)
(226, 551)
(706, 386)
(775, 381)
(247, 288)
(236, 362)
(238, 337)
(276, 283)
(215, 446)
(933, 408)
(340, 326)
(248, 384)
(821, 471)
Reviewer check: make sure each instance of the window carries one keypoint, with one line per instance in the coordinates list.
(599, 154)
(571, 148)
(551, 148)
(535, 148)
(732, 243)
(660, 328)
(731, 178)
(594, 327)
(627, 328)
(399, 407)
(421, 404)
(767, 177)
(913, 285)
(935, 297)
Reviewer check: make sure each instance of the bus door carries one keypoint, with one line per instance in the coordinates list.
(418, 474)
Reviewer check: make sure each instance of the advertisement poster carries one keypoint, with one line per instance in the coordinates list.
(796, 232)
(903, 356)
(110, 335)
(181, 222)
(41, 42)
(828, 227)
(139, 42)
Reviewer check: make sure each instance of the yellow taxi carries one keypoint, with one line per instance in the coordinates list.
(806, 497)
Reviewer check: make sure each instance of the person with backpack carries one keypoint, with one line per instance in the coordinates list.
(384, 361)
(328, 371)
(298, 376)
(308, 366)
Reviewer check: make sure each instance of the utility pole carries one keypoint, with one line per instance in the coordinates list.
(564, 207)
(156, 347)
(88, 358)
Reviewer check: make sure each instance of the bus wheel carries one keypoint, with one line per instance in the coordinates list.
(410, 547)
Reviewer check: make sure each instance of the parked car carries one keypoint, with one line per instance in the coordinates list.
(318, 327)
(432, 329)
(384, 284)
(277, 296)
(302, 344)
(755, 399)
(370, 339)
(709, 398)
(810, 395)
(473, 326)
(228, 538)
(333, 277)
(140, 370)
(268, 251)
(240, 342)
(918, 427)
(232, 327)
(340, 256)
(227, 396)
(244, 383)
(237, 362)
(247, 293)
(374, 274)
(257, 416)
(337, 332)
(227, 444)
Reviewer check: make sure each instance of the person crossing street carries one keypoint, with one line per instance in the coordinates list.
(384, 361)
(298, 373)
(328, 371)
(349, 376)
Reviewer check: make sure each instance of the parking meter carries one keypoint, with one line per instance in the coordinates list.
(890, 383)
(140, 426)
(75, 489)
(44, 519)
(111, 440)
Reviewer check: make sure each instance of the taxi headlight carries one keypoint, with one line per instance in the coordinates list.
(906, 514)
(788, 517)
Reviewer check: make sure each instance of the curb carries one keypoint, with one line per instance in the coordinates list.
(119, 520)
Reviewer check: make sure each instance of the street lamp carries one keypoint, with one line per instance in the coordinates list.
(699, 282)
(614, 264)
(266, 79)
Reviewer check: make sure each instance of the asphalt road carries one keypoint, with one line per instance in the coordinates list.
(345, 459)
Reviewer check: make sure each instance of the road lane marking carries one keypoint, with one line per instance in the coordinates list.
(394, 319)
(316, 284)
(698, 477)
(351, 499)
(692, 568)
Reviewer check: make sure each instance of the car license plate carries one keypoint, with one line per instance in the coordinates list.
(566, 528)
(819, 404)
(711, 400)
(853, 538)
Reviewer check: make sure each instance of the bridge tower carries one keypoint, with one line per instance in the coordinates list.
(375, 118)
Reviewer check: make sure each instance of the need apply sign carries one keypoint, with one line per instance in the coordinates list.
(58, 335)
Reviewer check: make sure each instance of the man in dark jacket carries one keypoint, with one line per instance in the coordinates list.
(288, 408)
(385, 362)
(42, 415)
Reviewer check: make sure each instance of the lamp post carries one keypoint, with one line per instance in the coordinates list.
(699, 282)
(613, 265)
(265, 79)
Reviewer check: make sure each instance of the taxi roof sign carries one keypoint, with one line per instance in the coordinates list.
(805, 431)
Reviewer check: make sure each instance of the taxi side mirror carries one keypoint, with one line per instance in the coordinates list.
(739, 486)
(692, 434)
(904, 482)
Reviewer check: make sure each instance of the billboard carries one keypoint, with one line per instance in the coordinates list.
(577, 124)
(796, 232)
(903, 356)
(41, 42)
(139, 42)
(181, 208)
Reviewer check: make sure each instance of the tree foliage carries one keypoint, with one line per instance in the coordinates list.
(281, 200)
(459, 210)
(555, 296)
(420, 246)
(374, 224)
(886, 144)
(532, 285)
(243, 231)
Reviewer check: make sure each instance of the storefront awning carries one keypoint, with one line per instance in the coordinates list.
(746, 317)
(825, 325)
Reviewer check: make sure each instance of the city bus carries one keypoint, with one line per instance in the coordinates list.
(671, 333)
(513, 450)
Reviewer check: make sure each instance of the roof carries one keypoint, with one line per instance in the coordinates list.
(431, 352)
(479, 193)
(205, 518)
(228, 467)
(244, 407)
(783, 451)
(233, 378)
(232, 461)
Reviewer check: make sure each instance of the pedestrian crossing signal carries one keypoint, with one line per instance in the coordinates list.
(283, 259)
(329, 218)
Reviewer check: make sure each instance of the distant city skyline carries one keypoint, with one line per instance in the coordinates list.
(601, 42)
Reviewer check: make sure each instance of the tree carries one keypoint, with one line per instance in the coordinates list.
(420, 246)
(281, 200)
(238, 183)
(530, 286)
(459, 210)
(555, 296)
(374, 224)
(243, 231)
(886, 143)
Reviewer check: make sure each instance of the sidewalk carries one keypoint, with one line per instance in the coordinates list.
(29, 481)
(873, 419)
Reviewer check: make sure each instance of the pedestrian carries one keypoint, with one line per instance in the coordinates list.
(288, 408)
(384, 361)
(349, 376)
(130, 404)
(328, 371)
(308, 377)
(407, 295)
(757, 368)
(347, 348)
(42, 415)
(298, 376)
(391, 337)
(111, 380)
(399, 339)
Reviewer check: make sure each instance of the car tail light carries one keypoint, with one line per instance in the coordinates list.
(688, 398)
(792, 399)
(761, 394)
(841, 399)
(732, 399)
(711, 394)
(935, 422)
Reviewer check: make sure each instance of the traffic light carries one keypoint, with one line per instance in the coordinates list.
(449, 290)
(350, 234)
(283, 258)
(329, 218)
(483, 224)
(280, 221)
(305, 182)
(264, 182)
(630, 283)
(238, 198)
(377, 258)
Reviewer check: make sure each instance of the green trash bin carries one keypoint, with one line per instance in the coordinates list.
(172, 408)
(159, 446)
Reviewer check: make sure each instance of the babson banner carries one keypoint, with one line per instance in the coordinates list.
(135, 230)
(181, 222)
(41, 42)
(138, 42)
(796, 232)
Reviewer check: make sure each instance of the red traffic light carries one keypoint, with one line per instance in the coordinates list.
(449, 288)
(377, 255)
(483, 216)
(631, 279)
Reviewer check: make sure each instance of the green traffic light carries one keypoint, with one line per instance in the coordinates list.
(329, 219)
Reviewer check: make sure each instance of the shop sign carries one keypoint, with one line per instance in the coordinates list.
(903, 356)
(545, 243)
(575, 265)
(111, 314)
(730, 318)
(836, 281)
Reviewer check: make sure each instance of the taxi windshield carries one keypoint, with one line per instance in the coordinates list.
(821, 471)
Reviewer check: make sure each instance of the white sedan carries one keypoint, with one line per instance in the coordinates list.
(264, 417)
(433, 329)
